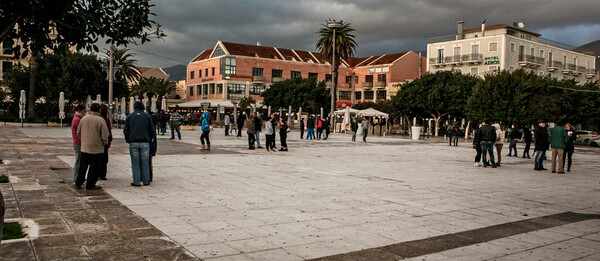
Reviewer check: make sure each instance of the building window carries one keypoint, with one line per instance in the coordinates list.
(521, 53)
(574, 60)
(313, 75)
(474, 70)
(276, 73)
(368, 95)
(475, 49)
(257, 89)
(542, 53)
(198, 89)
(381, 95)
(289, 58)
(357, 95)
(200, 73)
(345, 95)
(228, 65)
(7, 47)
(5, 68)
(493, 68)
(204, 91)
(369, 78)
(219, 88)
(564, 62)
(348, 79)
(327, 77)
(295, 74)
(192, 75)
(206, 72)
(213, 71)
(191, 92)
(440, 56)
(493, 47)
(257, 71)
(218, 52)
(212, 88)
(550, 58)
(381, 78)
(532, 51)
(236, 88)
(512, 47)
(456, 50)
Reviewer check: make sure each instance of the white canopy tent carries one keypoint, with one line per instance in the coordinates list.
(343, 111)
(370, 112)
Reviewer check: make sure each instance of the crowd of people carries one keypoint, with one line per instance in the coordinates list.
(560, 139)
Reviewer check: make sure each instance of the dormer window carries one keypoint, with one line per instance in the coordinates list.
(253, 54)
(290, 58)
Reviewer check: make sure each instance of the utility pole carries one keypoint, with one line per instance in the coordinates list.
(110, 81)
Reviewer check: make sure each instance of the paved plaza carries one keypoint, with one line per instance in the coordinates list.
(387, 199)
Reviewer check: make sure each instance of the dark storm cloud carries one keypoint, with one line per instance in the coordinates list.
(382, 26)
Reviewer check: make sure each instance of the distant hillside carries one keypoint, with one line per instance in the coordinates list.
(592, 47)
(176, 72)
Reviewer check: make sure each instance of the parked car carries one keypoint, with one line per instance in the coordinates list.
(583, 136)
(595, 142)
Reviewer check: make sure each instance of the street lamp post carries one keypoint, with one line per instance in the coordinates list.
(333, 25)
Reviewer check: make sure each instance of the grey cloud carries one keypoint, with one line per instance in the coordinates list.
(383, 26)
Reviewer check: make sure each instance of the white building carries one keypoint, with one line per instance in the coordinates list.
(502, 47)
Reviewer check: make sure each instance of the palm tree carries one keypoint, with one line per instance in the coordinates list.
(345, 45)
(125, 64)
(161, 87)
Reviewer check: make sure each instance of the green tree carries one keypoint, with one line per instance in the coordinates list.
(298, 92)
(152, 86)
(435, 94)
(55, 24)
(125, 65)
(246, 102)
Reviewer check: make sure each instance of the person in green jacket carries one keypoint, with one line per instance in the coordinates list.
(558, 141)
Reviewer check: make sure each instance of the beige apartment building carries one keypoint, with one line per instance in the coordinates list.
(502, 47)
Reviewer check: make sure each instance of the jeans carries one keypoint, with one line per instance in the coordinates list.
(77, 149)
(512, 146)
(257, 138)
(499, 152)
(310, 133)
(479, 152)
(251, 139)
(226, 130)
(94, 162)
(283, 138)
(557, 155)
(163, 131)
(270, 140)
(140, 161)
(354, 136)
(204, 137)
(487, 148)
(365, 133)
(173, 129)
(539, 158)
(455, 140)
(568, 155)
(526, 150)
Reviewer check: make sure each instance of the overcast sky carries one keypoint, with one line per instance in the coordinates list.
(382, 26)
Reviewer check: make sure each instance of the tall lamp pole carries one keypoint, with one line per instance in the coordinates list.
(110, 81)
(333, 25)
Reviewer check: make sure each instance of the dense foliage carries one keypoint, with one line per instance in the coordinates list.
(298, 92)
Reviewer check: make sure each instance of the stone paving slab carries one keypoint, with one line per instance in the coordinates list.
(325, 198)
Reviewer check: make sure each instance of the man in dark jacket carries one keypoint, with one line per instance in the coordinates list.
(240, 124)
(257, 129)
(310, 127)
(301, 128)
(487, 139)
(139, 133)
(541, 145)
(477, 145)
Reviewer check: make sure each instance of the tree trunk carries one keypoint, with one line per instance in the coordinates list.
(437, 124)
(33, 75)
(408, 123)
(467, 130)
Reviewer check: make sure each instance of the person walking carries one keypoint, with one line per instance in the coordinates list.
(477, 145)
(257, 129)
(163, 118)
(301, 128)
(354, 127)
(155, 120)
(227, 123)
(250, 132)
(486, 139)
(455, 134)
(449, 133)
(175, 121)
(139, 134)
(283, 129)
(310, 127)
(269, 133)
(79, 114)
(558, 142)
(527, 138)
(205, 122)
(514, 135)
(319, 127)
(93, 133)
(499, 143)
(570, 146)
(327, 126)
(104, 169)
(364, 124)
(541, 144)
(240, 124)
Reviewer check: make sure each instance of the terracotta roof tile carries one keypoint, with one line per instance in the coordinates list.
(251, 50)
(388, 58)
(203, 55)
(145, 69)
(306, 55)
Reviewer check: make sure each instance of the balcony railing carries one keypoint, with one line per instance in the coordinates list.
(380, 84)
(455, 59)
(277, 79)
(531, 61)
(554, 65)
(473, 58)
(367, 84)
(437, 61)
(571, 66)
(259, 79)
(590, 73)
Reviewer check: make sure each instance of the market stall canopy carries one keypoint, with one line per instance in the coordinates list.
(370, 112)
(343, 111)
(213, 104)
